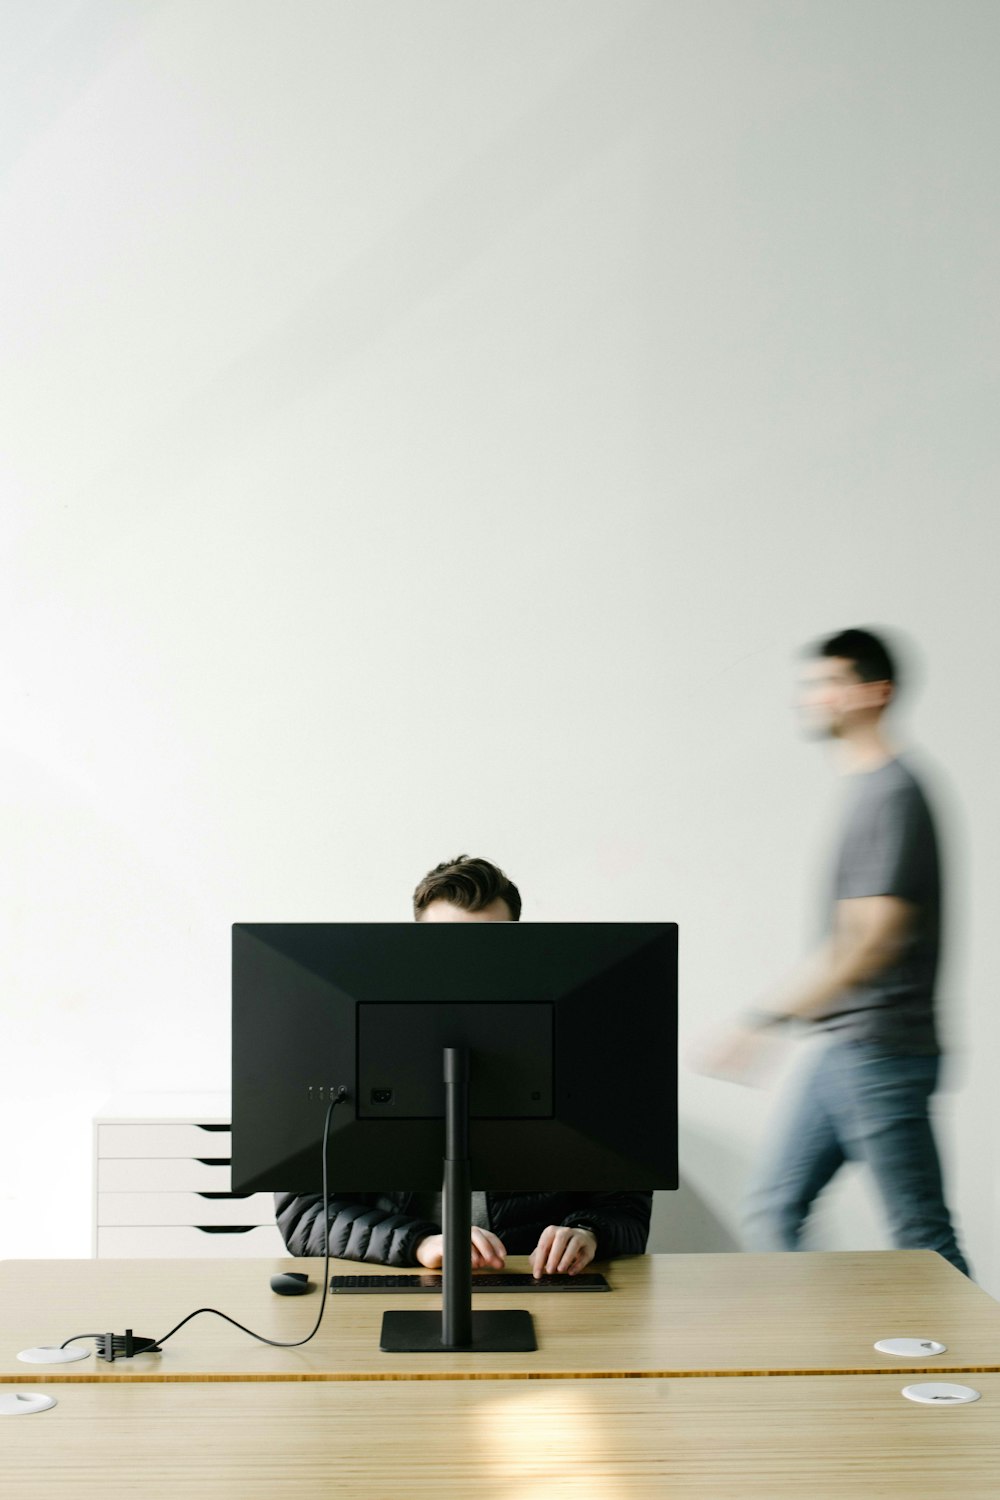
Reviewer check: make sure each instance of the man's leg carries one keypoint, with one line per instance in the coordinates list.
(883, 1117)
(805, 1156)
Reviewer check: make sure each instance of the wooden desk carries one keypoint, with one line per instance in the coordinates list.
(670, 1315)
(778, 1438)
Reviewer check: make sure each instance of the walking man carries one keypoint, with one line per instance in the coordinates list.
(869, 985)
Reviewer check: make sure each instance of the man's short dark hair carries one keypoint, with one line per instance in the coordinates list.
(869, 655)
(469, 883)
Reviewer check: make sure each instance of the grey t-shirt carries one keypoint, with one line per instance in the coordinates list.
(889, 848)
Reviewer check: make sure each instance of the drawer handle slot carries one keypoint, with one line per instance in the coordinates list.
(225, 1195)
(213, 1127)
(224, 1228)
(215, 1161)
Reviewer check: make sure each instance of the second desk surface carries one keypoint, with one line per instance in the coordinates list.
(668, 1316)
(838, 1437)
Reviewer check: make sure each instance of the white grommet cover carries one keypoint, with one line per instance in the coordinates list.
(45, 1355)
(22, 1403)
(910, 1348)
(940, 1393)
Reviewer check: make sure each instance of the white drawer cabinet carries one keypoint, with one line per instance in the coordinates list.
(162, 1185)
(164, 1174)
(171, 1241)
(145, 1141)
(130, 1210)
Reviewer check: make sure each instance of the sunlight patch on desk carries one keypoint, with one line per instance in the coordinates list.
(540, 1435)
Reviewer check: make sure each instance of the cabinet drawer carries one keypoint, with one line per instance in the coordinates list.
(122, 1174)
(170, 1242)
(135, 1138)
(183, 1208)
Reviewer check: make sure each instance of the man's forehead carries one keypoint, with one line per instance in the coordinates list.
(829, 669)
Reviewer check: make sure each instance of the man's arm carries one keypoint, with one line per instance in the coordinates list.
(619, 1220)
(869, 932)
(358, 1228)
(605, 1225)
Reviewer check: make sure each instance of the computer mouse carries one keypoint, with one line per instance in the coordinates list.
(291, 1284)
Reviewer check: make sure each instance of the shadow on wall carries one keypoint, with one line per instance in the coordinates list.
(706, 1211)
(686, 1221)
(683, 1221)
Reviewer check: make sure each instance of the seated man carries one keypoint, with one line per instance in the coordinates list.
(562, 1232)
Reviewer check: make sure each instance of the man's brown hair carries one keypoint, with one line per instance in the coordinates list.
(469, 883)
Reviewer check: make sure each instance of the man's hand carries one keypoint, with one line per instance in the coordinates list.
(743, 1054)
(562, 1248)
(487, 1250)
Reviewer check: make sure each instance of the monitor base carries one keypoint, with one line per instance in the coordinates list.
(506, 1331)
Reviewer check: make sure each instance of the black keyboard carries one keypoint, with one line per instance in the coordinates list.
(488, 1281)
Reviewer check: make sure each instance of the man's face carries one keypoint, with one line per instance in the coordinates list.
(446, 911)
(831, 699)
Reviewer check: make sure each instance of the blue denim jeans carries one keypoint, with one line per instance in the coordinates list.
(858, 1102)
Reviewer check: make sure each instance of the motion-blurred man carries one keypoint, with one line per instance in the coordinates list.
(870, 984)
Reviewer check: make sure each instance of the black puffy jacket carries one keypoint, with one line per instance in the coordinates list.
(379, 1226)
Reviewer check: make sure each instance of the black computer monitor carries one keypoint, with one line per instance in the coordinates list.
(562, 1047)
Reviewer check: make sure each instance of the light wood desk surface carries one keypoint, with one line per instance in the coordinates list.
(669, 1315)
(758, 1438)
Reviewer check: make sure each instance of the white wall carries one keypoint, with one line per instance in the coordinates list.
(430, 426)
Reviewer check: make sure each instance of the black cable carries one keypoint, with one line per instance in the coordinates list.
(118, 1343)
(276, 1343)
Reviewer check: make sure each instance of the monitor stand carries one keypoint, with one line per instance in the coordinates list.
(507, 1331)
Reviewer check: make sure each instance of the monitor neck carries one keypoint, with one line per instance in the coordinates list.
(456, 1281)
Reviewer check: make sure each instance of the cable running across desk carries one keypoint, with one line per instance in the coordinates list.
(151, 1346)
